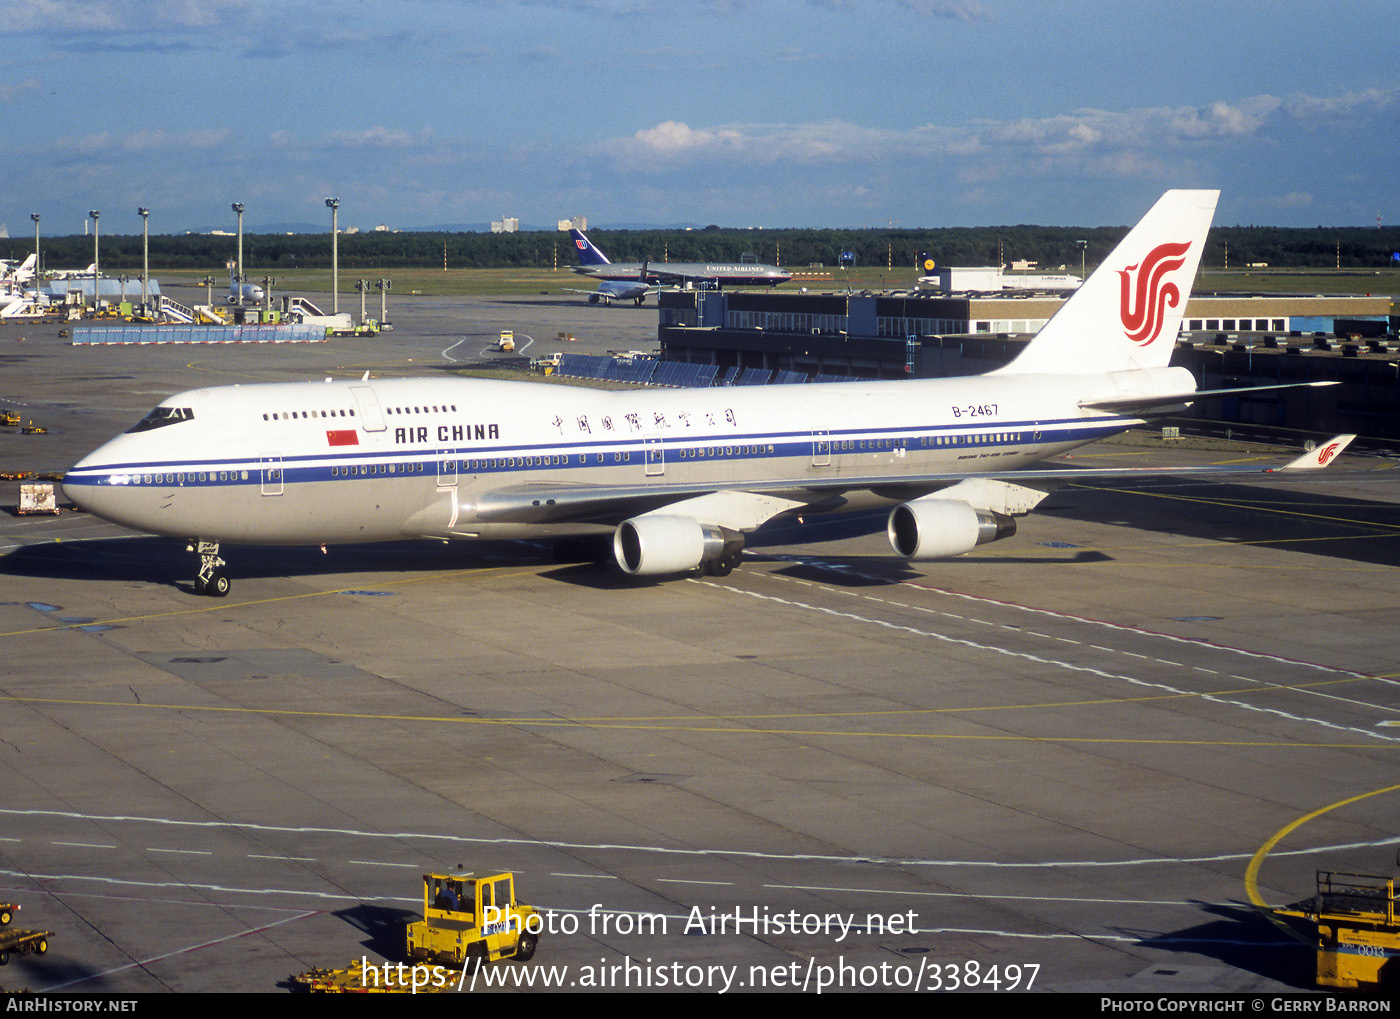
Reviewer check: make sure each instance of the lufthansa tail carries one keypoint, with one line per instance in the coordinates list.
(1127, 314)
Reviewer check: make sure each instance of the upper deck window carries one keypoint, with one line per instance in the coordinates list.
(159, 417)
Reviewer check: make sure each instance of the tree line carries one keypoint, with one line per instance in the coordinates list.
(1049, 247)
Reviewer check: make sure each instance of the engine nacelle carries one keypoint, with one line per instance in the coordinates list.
(650, 545)
(934, 528)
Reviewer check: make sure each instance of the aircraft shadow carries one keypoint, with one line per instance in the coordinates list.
(881, 571)
(1279, 518)
(1240, 937)
(165, 561)
(383, 927)
(1286, 519)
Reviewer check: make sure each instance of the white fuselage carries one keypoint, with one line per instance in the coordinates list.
(379, 460)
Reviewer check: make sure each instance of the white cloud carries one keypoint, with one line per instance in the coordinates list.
(1133, 143)
(72, 16)
(91, 144)
(966, 11)
(671, 137)
(8, 93)
(673, 143)
(1326, 109)
(376, 137)
(141, 142)
(157, 140)
(1292, 200)
(1221, 119)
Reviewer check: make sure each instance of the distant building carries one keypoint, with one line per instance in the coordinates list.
(870, 334)
(952, 279)
(576, 223)
(508, 225)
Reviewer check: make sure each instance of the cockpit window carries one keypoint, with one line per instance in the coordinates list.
(162, 416)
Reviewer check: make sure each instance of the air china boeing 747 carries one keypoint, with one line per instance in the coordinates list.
(677, 478)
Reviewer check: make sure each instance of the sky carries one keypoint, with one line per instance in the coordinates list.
(741, 113)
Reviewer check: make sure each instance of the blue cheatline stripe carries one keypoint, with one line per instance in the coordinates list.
(507, 459)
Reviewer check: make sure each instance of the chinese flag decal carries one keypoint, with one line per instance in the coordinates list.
(347, 437)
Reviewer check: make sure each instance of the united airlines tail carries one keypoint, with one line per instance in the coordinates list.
(1128, 313)
(587, 253)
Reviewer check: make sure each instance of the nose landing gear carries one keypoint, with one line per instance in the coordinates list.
(211, 578)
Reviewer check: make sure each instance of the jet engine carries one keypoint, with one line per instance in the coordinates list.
(650, 545)
(933, 528)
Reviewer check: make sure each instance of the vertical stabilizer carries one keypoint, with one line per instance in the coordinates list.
(1128, 313)
(587, 253)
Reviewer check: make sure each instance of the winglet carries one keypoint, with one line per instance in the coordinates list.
(1320, 457)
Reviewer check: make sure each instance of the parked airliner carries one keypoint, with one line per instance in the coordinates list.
(676, 477)
(18, 275)
(616, 290)
(242, 293)
(594, 263)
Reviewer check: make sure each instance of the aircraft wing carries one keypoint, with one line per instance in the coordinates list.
(662, 275)
(751, 503)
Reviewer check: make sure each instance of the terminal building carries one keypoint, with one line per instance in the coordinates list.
(1226, 341)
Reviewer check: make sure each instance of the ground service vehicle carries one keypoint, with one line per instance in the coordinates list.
(357, 978)
(23, 942)
(470, 919)
(467, 920)
(1357, 930)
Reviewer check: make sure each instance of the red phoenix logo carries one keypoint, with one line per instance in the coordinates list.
(1144, 303)
(1328, 452)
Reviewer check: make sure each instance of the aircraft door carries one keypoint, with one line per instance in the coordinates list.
(371, 417)
(656, 457)
(447, 468)
(821, 449)
(271, 470)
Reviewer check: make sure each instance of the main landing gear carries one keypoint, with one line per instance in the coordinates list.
(211, 578)
(722, 565)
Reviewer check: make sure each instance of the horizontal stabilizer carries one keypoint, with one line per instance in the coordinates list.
(1164, 403)
(1320, 456)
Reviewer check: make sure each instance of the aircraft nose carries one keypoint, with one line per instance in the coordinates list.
(91, 492)
(96, 484)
